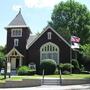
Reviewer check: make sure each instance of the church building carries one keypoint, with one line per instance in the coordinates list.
(24, 48)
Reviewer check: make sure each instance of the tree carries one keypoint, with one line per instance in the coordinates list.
(70, 18)
(86, 50)
(2, 51)
(85, 59)
(2, 56)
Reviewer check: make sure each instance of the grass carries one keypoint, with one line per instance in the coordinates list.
(71, 76)
(18, 78)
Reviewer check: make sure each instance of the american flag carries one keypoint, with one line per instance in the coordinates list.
(75, 39)
(75, 45)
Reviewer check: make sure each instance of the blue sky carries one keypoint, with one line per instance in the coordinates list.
(35, 12)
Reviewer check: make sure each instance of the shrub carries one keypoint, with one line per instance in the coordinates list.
(56, 71)
(48, 65)
(84, 72)
(82, 68)
(25, 70)
(66, 72)
(86, 62)
(75, 63)
(2, 63)
(76, 68)
(66, 66)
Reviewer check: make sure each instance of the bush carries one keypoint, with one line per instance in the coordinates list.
(76, 68)
(48, 65)
(66, 72)
(75, 63)
(82, 68)
(66, 66)
(24, 70)
(86, 62)
(2, 62)
(84, 72)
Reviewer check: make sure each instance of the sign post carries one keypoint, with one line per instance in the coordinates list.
(8, 68)
(43, 76)
(5, 69)
(60, 77)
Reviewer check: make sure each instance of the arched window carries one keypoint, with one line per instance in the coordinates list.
(49, 51)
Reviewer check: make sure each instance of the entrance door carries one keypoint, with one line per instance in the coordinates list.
(17, 62)
(13, 63)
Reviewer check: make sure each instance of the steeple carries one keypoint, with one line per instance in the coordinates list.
(19, 10)
(18, 21)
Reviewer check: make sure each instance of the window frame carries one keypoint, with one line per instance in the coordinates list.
(16, 42)
(45, 53)
(13, 31)
(49, 35)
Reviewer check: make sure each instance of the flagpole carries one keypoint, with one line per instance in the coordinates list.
(70, 55)
(76, 54)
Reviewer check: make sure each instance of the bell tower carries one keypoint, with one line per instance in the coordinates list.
(17, 34)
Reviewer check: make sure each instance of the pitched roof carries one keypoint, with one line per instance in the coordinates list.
(14, 50)
(18, 21)
(30, 39)
(45, 29)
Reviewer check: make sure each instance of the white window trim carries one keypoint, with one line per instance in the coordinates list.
(16, 42)
(52, 44)
(16, 35)
(49, 34)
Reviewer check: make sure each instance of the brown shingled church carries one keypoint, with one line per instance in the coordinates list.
(23, 48)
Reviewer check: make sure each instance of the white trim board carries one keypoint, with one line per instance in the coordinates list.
(14, 49)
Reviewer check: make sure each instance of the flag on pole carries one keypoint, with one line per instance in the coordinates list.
(75, 39)
(75, 45)
(75, 42)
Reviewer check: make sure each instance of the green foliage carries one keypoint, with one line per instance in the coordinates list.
(82, 69)
(2, 63)
(2, 52)
(66, 72)
(76, 68)
(85, 58)
(48, 65)
(75, 63)
(2, 56)
(71, 17)
(66, 66)
(86, 62)
(25, 70)
(86, 50)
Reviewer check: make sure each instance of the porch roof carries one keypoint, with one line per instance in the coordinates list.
(14, 52)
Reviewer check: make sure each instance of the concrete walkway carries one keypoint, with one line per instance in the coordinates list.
(53, 87)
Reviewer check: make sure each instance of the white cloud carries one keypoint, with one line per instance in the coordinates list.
(16, 7)
(40, 3)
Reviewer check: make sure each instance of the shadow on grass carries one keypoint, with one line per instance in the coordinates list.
(87, 77)
(2, 78)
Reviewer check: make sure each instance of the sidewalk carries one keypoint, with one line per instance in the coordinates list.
(54, 87)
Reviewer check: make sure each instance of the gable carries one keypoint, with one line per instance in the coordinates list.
(14, 52)
(48, 29)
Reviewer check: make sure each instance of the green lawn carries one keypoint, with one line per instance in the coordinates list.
(71, 76)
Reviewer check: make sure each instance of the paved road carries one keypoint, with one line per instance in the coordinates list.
(53, 87)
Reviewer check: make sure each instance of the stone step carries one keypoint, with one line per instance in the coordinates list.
(51, 82)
